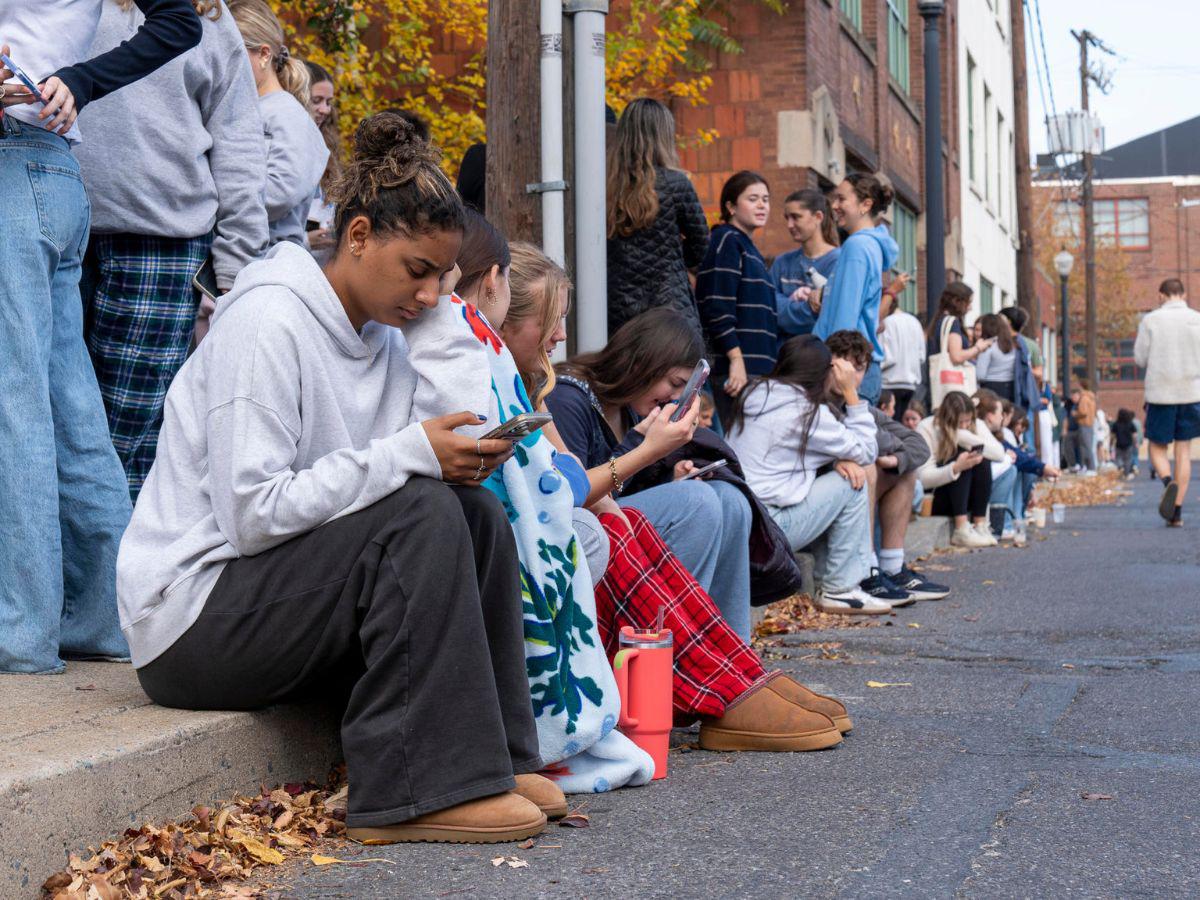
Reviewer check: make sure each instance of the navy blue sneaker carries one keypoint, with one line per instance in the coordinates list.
(881, 587)
(918, 586)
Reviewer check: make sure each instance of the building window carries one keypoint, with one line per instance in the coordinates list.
(986, 302)
(1125, 223)
(1003, 299)
(904, 230)
(852, 10)
(971, 117)
(898, 41)
(1066, 219)
(987, 143)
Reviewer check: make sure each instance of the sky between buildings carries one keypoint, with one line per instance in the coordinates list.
(1155, 72)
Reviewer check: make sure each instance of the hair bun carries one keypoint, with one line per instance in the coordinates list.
(886, 195)
(388, 139)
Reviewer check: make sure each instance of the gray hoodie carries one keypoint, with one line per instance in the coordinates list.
(296, 158)
(180, 152)
(283, 419)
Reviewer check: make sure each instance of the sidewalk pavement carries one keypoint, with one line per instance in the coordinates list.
(85, 755)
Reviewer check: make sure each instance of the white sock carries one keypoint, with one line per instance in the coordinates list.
(891, 559)
(874, 560)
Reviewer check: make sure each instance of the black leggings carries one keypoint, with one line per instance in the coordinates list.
(966, 495)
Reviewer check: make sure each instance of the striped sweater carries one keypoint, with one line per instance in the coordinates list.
(737, 301)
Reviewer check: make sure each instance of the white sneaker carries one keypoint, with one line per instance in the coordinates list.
(967, 536)
(853, 602)
(985, 532)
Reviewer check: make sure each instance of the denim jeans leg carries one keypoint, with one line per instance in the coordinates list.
(835, 510)
(1002, 492)
(731, 580)
(94, 504)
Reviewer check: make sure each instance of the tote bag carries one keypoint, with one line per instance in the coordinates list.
(944, 375)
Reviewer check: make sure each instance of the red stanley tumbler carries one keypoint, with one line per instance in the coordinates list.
(643, 670)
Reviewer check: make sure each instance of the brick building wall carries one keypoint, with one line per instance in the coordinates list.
(767, 104)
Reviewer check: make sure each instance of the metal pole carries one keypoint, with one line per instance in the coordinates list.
(1089, 224)
(552, 184)
(1064, 304)
(591, 272)
(935, 206)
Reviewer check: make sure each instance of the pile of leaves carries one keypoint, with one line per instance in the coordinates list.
(1102, 489)
(204, 855)
(797, 613)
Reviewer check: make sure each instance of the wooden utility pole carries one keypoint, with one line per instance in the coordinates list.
(1027, 297)
(513, 119)
(1089, 224)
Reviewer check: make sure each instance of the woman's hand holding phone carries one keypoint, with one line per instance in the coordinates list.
(464, 460)
(662, 435)
(968, 459)
(14, 94)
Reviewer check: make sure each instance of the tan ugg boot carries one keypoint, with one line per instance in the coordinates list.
(793, 690)
(542, 793)
(488, 820)
(764, 719)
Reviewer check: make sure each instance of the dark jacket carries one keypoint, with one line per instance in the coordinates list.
(898, 440)
(650, 267)
(774, 574)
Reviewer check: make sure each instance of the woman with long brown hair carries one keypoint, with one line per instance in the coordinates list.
(322, 105)
(149, 237)
(656, 225)
(996, 365)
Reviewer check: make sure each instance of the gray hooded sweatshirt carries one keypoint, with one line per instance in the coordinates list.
(283, 419)
(296, 158)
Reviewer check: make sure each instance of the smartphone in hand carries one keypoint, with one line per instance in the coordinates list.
(21, 76)
(704, 470)
(691, 389)
(519, 427)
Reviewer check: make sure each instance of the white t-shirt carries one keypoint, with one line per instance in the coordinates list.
(43, 37)
(903, 343)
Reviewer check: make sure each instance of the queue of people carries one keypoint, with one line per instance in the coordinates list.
(255, 406)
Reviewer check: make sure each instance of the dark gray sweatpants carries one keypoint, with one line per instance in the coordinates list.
(416, 602)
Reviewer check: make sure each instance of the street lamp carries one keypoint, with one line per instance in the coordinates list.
(1063, 263)
(935, 206)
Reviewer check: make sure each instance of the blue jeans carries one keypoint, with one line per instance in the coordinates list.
(833, 519)
(64, 502)
(872, 384)
(707, 525)
(1009, 491)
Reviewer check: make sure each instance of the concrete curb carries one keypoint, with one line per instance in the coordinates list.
(86, 755)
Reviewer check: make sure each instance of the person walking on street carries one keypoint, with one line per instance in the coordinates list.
(810, 223)
(656, 225)
(63, 497)
(854, 293)
(1168, 348)
(193, 122)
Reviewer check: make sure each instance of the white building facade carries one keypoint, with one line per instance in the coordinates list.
(985, 96)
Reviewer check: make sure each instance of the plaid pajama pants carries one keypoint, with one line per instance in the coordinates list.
(139, 313)
(712, 665)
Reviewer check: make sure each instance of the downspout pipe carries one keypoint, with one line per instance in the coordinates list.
(591, 265)
(552, 185)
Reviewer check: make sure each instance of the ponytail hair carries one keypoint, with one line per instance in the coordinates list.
(395, 180)
(873, 188)
(260, 27)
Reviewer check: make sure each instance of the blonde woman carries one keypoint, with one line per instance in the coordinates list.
(193, 123)
(656, 225)
(296, 151)
(63, 498)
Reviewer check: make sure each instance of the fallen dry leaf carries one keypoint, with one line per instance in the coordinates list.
(1087, 795)
(527, 844)
(971, 618)
(1067, 666)
(318, 860)
(913, 625)
(513, 862)
(883, 684)
(575, 820)
(989, 582)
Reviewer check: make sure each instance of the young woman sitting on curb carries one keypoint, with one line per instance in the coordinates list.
(785, 433)
(718, 678)
(302, 525)
(961, 486)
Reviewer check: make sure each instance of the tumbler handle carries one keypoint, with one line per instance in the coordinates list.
(621, 664)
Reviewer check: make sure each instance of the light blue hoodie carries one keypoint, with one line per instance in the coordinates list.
(851, 299)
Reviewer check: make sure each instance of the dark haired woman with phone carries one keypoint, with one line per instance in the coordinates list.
(717, 676)
(312, 519)
(63, 497)
(191, 123)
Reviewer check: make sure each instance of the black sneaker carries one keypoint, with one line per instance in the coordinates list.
(918, 586)
(881, 587)
(1166, 505)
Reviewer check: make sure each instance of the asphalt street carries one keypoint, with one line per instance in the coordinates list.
(1039, 739)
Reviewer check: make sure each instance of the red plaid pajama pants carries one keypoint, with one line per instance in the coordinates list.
(712, 664)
